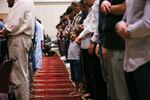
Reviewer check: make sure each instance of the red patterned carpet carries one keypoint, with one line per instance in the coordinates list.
(52, 81)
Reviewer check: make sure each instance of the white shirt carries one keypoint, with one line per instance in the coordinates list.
(21, 18)
(91, 25)
(137, 51)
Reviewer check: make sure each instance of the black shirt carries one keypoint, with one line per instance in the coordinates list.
(112, 39)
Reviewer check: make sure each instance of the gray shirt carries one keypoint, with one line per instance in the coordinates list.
(137, 50)
(73, 51)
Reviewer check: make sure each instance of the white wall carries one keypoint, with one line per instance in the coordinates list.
(48, 11)
(3, 6)
(3, 9)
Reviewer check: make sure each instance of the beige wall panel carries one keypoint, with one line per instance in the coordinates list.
(49, 13)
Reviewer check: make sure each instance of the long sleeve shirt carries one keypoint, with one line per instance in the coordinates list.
(91, 26)
(137, 50)
(21, 18)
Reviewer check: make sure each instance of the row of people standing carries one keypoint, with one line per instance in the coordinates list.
(85, 67)
(124, 49)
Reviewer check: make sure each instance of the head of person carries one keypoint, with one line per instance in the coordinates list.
(73, 35)
(89, 2)
(76, 6)
(70, 12)
(72, 15)
(64, 20)
(84, 7)
(10, 3)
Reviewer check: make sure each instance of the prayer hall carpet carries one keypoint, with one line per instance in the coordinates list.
(52, 81)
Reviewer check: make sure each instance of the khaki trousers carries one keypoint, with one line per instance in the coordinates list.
(18, 47)
(117, 87)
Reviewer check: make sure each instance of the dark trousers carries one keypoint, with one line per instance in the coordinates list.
(75, 71)
(96, 86)
(138, 82)
(59, 47)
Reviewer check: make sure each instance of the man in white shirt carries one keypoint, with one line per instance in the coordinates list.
(93, 75)
(19, 28)
(135, 29)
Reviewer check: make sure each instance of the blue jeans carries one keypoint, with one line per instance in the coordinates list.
(75, 71)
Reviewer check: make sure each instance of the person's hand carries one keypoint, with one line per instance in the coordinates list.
(78, 39)
(91, 48)
(1, 31)
(105, 7)
(80, 27)
(97, 50)
(104, 52)
(121, 29)
(1, 34)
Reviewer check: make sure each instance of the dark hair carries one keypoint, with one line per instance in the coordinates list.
(74, 3)
(58, 25)
(69, 10)
(1, 19)
(81, 1)
(38, 20)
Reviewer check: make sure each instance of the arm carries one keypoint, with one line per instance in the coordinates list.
(118, 9)
(142, 27)
(4, 31)
(93, 21)
(105, 6)
(13, 20)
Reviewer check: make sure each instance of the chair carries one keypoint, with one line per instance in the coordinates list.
(5, 70)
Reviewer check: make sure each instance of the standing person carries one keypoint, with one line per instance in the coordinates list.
(39, 32)
(114, 49)
(91, 66)
(19, 28)
(135, 29)
(74, 60)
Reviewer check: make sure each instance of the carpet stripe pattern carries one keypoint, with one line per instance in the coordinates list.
(52, 81)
